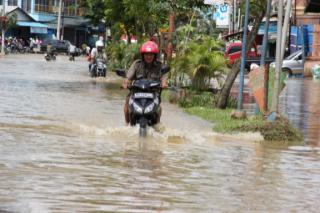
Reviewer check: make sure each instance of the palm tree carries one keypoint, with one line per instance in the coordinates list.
(201, 61)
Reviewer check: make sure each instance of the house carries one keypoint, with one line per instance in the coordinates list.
(26, 26)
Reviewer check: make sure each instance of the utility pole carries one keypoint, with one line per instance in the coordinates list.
(265, 35)
(62, 21)
(276, 89)
(285, 29)
(59, 20)
(264, 55)
(3, 30)
(243, 56)
(234, 16)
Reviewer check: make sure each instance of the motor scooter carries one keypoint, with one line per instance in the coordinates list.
(144, 101)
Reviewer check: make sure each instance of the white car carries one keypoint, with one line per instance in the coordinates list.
(293, 64)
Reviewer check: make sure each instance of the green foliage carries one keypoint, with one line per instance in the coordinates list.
(280, 131)
(139, 17)
(204, 99)
(121, 55)
(201, 60)
(193, 98)
(183, 5)
(12, 20)
(256, 6)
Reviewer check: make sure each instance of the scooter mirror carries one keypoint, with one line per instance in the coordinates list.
(121, 72)
(165, 69)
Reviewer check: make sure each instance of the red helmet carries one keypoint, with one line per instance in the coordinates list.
(149, 47)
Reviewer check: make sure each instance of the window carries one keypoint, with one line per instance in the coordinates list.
(13, 2)
(44, 6)
(234, 49)
(70, 7)
(299, 57)
(26, 5)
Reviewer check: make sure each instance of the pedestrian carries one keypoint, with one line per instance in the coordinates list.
(72, 51)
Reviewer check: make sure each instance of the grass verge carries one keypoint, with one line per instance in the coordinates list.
(280, 130)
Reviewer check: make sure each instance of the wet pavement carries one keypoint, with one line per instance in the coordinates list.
(64, 148)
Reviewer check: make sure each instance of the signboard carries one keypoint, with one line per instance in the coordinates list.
(222, 15)
(38, 30)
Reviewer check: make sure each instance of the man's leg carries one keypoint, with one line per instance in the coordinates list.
(159, 115)
(126, 110)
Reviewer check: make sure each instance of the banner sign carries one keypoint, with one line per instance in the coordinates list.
(38, 30)
(222, 15)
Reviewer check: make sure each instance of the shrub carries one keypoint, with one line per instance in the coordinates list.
(121, 55)
(194, 98)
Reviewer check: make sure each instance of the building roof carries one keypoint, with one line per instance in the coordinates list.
(21, 14)
(8, 8)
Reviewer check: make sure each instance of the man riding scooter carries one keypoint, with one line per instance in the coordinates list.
(148, 67)
(97, 54)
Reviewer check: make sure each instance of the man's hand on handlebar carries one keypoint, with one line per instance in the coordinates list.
(126, 83)
(164, 84)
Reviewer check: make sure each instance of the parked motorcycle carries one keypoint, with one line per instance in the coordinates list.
(100, 68)
(144, 101)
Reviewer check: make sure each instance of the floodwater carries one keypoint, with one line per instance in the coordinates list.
(64, 148)
(300, 102)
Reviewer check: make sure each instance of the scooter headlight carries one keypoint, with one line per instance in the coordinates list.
(137, 108)
(149, 108)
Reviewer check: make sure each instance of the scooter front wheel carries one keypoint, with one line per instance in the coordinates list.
(143, 127)
(143, 131)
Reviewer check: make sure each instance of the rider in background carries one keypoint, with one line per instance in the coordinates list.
(97, 52)
(50, 49)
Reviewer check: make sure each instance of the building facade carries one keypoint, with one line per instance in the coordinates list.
(307, 12)
(74, 27)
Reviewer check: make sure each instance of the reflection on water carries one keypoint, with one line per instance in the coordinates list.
(64, 148)
(300, 101)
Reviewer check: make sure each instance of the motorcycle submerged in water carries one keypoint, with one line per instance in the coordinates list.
(100, 69)
(144, 101)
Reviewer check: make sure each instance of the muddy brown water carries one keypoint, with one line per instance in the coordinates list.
(64, 148)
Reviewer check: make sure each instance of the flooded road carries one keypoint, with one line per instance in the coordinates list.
(64, 148)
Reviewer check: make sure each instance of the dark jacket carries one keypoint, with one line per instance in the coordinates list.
(139, 70)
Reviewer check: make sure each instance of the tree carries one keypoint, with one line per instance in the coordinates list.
(137, 17)
(257, 12)
(126, 16)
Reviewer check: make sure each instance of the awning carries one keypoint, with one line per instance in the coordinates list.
(35, 27)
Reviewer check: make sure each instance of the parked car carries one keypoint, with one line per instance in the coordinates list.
(60, 46)
(292, 64)
(233, 52)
